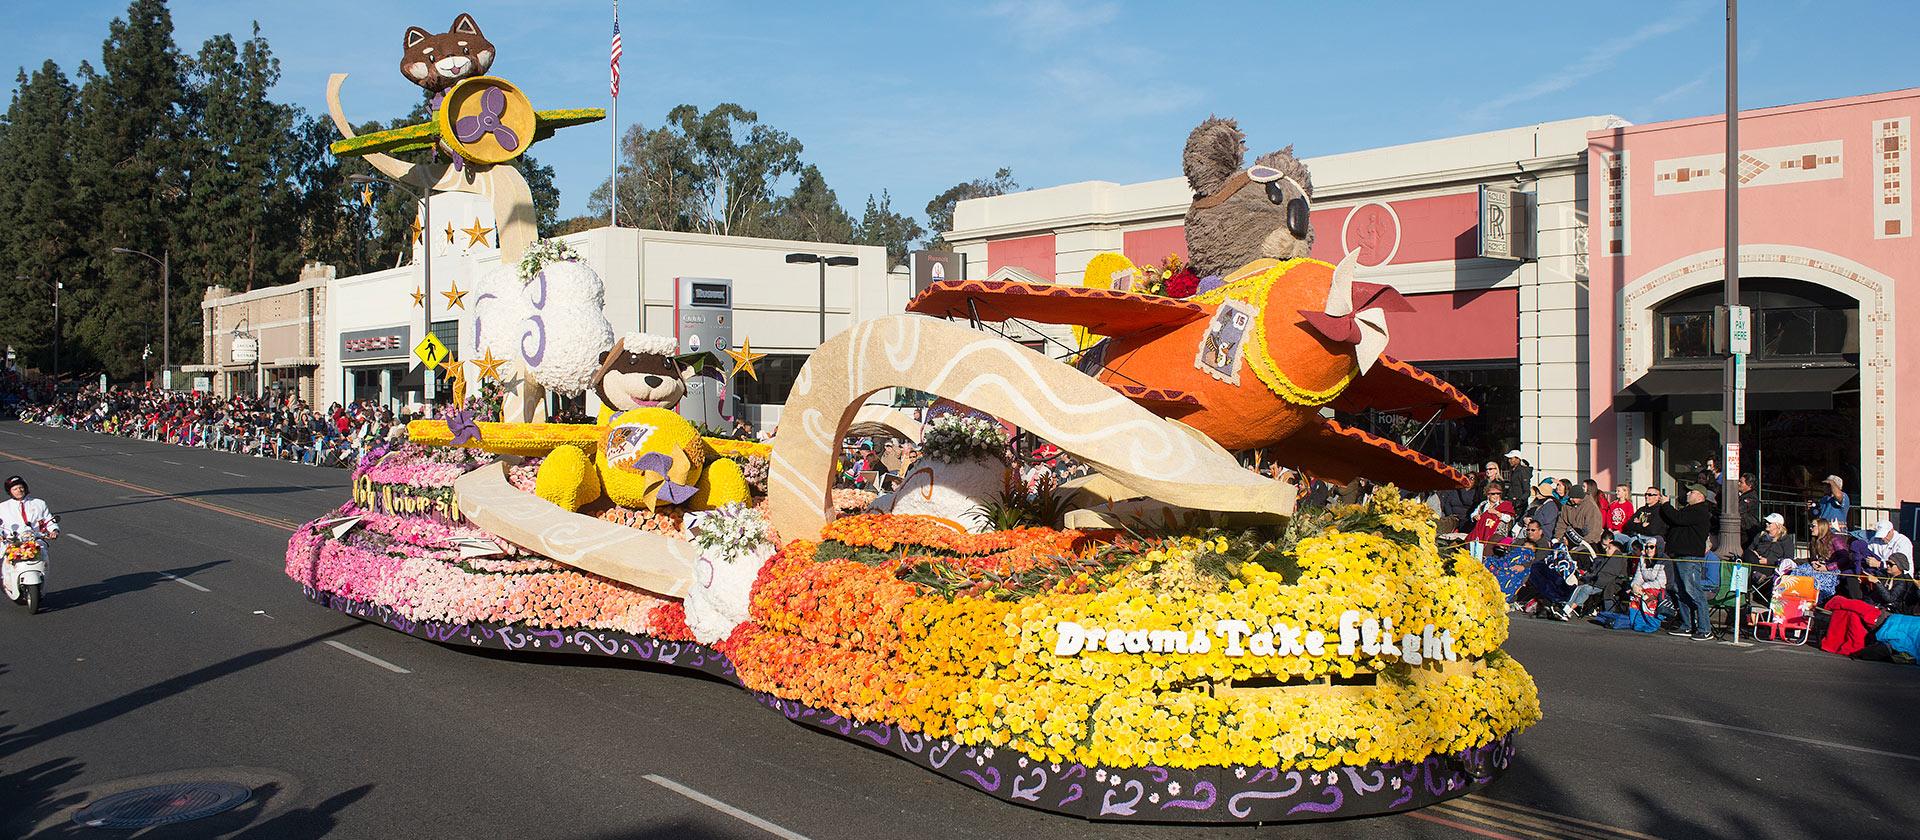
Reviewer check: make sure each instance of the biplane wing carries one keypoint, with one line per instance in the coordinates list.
(1333, 452)
(419, 136)
(1103, 311)
(1395, 387)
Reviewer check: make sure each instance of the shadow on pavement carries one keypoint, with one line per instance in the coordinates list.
(678, 830)
(14, 742)
(80, 596)
(29, 796)
(265, 490)
(258, 818)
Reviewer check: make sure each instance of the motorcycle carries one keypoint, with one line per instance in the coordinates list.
(23, 571)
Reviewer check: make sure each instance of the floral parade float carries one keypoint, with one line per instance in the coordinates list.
(1179, 643)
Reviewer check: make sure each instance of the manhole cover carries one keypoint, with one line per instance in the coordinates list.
(162, 805)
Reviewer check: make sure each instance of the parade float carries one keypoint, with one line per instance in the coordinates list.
(1166, 638)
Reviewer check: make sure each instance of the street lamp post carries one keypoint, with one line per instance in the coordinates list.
(165, 261)
(57, 286)
(426, 253)
(824, 262)
(1729, 465)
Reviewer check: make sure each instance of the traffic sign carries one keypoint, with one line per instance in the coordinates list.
(431, 351)
(1740, 330)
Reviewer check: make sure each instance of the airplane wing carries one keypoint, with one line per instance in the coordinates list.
(1333, 452)
(1103, 311)
(1396, 387)
(407, 138)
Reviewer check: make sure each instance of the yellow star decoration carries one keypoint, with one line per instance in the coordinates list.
(415, 229)
(419, 298)
(456, 379)
(366, 196)
(476, 235)
(489, 366)
(449, 233)
(453, 294)
(743, 359)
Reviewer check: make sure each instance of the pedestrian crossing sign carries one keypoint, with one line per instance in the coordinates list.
(431, 351)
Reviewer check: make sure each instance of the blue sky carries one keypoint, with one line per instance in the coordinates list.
(914, 97)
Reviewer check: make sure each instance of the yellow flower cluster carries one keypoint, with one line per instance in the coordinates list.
(567, 478)
(850, 639)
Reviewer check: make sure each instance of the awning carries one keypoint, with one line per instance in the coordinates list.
(1768, 389)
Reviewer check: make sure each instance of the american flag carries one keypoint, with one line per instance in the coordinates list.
(615, 60)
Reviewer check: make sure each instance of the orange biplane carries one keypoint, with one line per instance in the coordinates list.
(1251, 363)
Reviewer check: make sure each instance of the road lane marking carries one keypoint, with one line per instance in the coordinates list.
(724, 808)
(175, 463)
(1814, 741)
(1485, 802)
(234, 474)
(368, 657)
(162, 494)
(184, 582)
(83, 540)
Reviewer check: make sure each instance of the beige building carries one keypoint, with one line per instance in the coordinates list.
(287, 322)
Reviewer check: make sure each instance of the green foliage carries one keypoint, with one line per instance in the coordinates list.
(811, 213)
(39, 239)
(1014, 508)
(940, 209)
(711, 172)
(893, 231)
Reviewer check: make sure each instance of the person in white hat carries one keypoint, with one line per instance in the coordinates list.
(1833, 506)
(1773, 544)
(1519, 478)
(1887, 542)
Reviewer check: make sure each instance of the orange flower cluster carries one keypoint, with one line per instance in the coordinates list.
(669, 621)
(885, 531)
(835, 602)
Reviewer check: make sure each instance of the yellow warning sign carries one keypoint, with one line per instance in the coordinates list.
(432, 353)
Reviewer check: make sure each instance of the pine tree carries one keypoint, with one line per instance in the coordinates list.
(127, 176)
(40, 238)
(238, 226)
(940, 209)
(811, 213)
(881, 226)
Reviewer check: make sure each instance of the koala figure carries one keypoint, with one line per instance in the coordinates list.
(1240, 213)
(639, 372)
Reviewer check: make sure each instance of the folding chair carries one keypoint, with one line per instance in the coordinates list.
(1788, 618)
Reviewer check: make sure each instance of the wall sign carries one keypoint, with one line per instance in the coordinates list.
(381, 343)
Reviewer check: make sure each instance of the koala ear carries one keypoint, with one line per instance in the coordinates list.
(1215, 150)
(1283, 160)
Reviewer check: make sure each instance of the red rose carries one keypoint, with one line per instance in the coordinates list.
(1182, 284)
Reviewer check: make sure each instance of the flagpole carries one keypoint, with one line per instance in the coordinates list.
(613, 180)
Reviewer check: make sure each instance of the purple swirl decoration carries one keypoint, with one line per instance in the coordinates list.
(538, 332)
(1217, 794)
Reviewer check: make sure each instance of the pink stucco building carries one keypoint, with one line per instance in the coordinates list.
(1826, 239)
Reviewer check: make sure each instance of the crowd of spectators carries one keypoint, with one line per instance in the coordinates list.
(1652, 561)
(269, 426)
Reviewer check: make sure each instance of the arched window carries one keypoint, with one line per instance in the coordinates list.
(1793, 319)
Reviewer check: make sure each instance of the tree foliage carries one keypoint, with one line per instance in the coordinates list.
(880, 225)
(940, 209)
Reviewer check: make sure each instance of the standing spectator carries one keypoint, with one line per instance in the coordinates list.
(1545, 509)
(1519, 477)
(1618, 510)
(1749, 507)
(1832, 507)
(1686, 539)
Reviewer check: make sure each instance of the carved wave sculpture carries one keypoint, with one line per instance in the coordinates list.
(1147, 454)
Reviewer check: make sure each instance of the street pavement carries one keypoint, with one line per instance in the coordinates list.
(172, 647)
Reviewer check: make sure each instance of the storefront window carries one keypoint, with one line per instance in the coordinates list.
(777, 373)
(1804, 332)
(1687, 335)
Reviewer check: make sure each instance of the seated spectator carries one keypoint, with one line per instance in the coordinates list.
(1648, 586)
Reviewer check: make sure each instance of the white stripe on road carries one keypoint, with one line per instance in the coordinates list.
(83, 540)
(234, 474)
(184, 582)
(1814, 741)
(724, 808)
(175, 463)
(370, 658)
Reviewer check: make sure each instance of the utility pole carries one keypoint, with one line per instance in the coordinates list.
(1730, 462)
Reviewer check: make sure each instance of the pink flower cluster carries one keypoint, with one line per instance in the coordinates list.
(523, 474)
(432, 585)
(422, 466)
